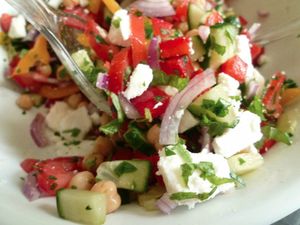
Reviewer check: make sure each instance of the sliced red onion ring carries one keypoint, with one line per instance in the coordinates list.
(37, 131)
(43, 79)
(102, 81)
(205, 140)
(251, 90)
(153, 55)
(165, 205)
(129, 110)
(204, 32)
(253, 30)
(31, 35)
(173, 115)
(30, 188)
(154, 8)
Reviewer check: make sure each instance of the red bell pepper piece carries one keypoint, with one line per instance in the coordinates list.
(256, 51)
(76, 23)
(243, 21)
(161, 27)
(153, 99)
(175, 47)
(269, 143)
(5, 22)
(117, 70)
(182, 10)
(214, 18)
(236, 68)
(271, 98)
(181, 66)
(138, 39)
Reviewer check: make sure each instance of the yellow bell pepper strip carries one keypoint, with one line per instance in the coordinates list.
(2, 37)
(39, 53)
(94, 6)
(83, 40)
(54, 92)
(290, 95)
(112, 5)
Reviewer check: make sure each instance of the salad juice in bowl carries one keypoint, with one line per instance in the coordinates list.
(192, 117)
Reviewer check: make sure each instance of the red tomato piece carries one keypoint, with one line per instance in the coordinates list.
(236, 68)
(256, 51)
(138, 40)
(272, 98)
(76, 23)
(269, 143)
(175, 47)
(161, 27)
(122, 154)
(26, 81)
(181, 66)
(214, 18)
(117, 71)
(154, 99)
(5, 22)
(243, 21)
(28, 165)
(182, 10)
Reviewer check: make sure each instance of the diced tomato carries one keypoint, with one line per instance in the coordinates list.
(5, 22)
(243, 21)
(272, 97)
(53, 174)
(58, 92)
(181, 66)
(175, 47)
(153, 99)
(269, 143)
(122, 154)
(182, 10)
(117, 70)
(161, 27)
(28, 165)
(236, 68)
(103, 50)
(256, 51)
(138, 40)
(26, 81)
(214, 18)
(77, 23)
(196, 73)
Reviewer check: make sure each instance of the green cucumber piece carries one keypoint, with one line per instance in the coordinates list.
(199, 49)
(223, 44)
(83, 60)
(127, 174)
(195, 15)
(81, 206)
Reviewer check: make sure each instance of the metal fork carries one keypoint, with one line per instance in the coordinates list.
(63, 41)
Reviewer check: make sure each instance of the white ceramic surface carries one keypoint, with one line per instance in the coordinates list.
(272, 192)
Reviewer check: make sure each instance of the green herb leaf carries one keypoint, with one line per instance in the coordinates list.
(239, 182)
(111, 127)
(219, 180)
(88, 208)
(180, 196)
(169, 152)
(219, 108)
(220, 49)
(186, 171)
(148, 30)
(116, 22)
(257, 107)
(118, 107)
(74, 132)
(124, 167)
(161, 78)
(241, 161)
(277, 135)
(289, 83)
(182, 152)
(207, 169)
(148, 115)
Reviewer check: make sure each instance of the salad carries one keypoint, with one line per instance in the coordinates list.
(190, 113)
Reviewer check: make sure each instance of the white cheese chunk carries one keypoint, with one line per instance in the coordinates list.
(120, 29)
(243, 135)
(139, 81)
(170, 169)
(244, 53)
(54, 3)
(17, 28)
(62, 118)
(84, 3)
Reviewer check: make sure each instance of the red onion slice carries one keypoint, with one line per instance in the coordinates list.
(102, 81)
(129, 110)
(31, 35)
(153, 55)
(165, 205)
(251, 90)
(204, 32)
(37, 131)
(154, 8)
(30, 188)
(173, 115)
(205, 140)
(253, 30)
(43, 79)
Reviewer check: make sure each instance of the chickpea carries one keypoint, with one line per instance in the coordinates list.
(82, 181)
(92, 161)
(74, 100)
(83, 104)
(113, 198)
(25, 102)
(103, 146)
(45, 69)
(62, 73)
(104, 119)
(153, 134)
(158, 146)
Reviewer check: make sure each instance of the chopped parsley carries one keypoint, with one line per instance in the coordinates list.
(187, 170)
(118, 107)
(116, 22)
(161, 78)
(219, 108)
(238, 181)
(53, 186)
(148, 115)
(289, 83)
(73, 142)
(277, 135)
(148, 30)
(124, 167)
(220, 49)
(51, 177)
(179, 196)
(241, 161)
(74, 132)
(111, 127)
(169, 152)
(257, 107)
(88, 207)
(100, 40)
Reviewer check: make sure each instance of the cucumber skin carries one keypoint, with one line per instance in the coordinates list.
(60, 203)
(106, 172)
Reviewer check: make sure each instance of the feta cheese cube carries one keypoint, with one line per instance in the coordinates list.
(17, 28)
(120, 29)
(139, 81)
(170, 169)
(54, 3)
(84, 3)
(242, 136)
